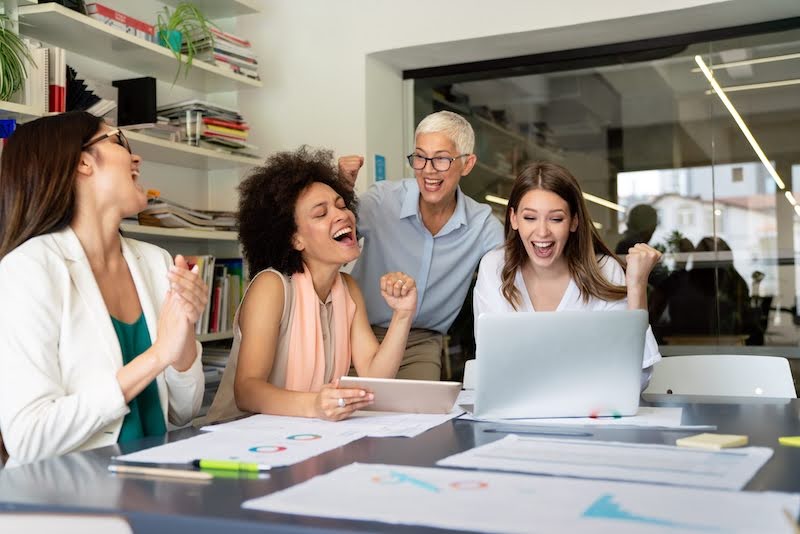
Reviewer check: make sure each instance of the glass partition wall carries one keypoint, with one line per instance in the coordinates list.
(708, 175)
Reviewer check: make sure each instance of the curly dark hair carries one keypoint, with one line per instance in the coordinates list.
(267, 199)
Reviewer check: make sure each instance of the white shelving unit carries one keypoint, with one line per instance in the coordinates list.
(215, 9)
(83, 35)
(145, 232)
(216, 336)
(20, 112)
(164, 151)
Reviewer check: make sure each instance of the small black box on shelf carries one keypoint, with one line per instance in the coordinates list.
(136, 101)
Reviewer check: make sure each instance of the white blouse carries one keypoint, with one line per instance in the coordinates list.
(488, 296)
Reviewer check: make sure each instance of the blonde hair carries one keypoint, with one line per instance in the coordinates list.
(453, 126)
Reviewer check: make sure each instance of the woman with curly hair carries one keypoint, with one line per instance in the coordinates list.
(554, 260)
(302, 322)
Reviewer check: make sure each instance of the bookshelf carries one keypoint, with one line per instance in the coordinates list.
(163, 151)
(215, 9)
(149, 232)
(59, 26)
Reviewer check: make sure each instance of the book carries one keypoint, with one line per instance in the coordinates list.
(57, 85)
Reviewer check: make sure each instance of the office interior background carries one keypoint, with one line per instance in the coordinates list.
(611, 90)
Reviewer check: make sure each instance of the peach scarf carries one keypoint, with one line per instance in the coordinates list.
(305, 369)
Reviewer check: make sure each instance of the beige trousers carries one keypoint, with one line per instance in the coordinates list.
(423, 357)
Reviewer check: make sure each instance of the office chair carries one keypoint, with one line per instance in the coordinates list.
(469, 375)
(723, 374)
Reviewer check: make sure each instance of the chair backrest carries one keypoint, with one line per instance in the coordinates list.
(723, 374)
(469, 375)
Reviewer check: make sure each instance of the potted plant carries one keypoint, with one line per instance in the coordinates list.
(181, 29)
(13, 54)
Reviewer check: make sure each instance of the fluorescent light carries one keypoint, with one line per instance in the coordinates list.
(591, 198)
(738, 118)
(751, 86)
(604, 202)
(797, 209)
(597, 225)
(756, 61)
(496, 200)
(790, 198)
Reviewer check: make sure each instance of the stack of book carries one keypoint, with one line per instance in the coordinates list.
(168, 214)
(234, 53)
(224, 278)
(210, 125)
(121, 21)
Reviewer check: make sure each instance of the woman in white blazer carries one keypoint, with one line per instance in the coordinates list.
(71, 285)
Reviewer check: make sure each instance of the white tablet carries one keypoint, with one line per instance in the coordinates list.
(409, 396)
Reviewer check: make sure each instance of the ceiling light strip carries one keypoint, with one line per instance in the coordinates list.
(756, 61)
(496, 200)
(604, 202)
(790, 198)
(738, 118)
(591, 198)
(751, 86)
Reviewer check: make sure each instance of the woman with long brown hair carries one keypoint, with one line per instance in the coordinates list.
(554, 260)
(96, 330)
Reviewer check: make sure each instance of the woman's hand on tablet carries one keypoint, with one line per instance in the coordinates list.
(334, 403)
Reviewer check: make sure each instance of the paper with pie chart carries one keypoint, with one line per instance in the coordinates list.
(279, 447)
(502, 502)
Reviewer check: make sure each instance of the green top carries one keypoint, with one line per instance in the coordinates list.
(145, 418)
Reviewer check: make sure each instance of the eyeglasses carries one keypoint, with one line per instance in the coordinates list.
(439, 163)
(121, 140)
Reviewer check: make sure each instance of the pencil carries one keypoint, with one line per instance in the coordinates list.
(159, 472)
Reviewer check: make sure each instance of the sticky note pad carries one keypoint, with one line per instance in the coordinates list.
(712, 441)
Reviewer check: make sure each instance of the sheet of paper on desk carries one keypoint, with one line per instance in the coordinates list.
(505, 502)
(647, 417)
(275, 447)
(372, 424)
(611, 460)
(63, 523)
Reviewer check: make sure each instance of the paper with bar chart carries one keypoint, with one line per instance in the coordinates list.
(505, 502)
(612, 460)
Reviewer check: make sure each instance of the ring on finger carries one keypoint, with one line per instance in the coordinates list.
(341, 402)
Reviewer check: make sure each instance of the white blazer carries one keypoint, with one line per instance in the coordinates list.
(59, 353)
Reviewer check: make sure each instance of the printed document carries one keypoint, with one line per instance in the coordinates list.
(506, 502)
(609, 460)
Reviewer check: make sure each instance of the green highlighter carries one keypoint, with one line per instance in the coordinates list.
(231, 465)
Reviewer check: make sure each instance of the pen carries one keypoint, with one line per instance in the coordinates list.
(158, 471)
(231, 465)
(560, 433)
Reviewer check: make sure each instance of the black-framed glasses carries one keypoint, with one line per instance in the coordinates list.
(439, 163)
(121, 140)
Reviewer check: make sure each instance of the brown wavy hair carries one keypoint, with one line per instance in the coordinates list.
(37, 176)
(582, 248)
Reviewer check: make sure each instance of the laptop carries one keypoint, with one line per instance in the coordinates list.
(559, 364)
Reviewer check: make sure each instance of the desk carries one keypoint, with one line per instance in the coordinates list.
(80, 481)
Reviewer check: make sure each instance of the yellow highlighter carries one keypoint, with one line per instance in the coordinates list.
(231, 465)
(789, 441)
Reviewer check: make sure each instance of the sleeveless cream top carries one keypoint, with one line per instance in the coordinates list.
(224, 405)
